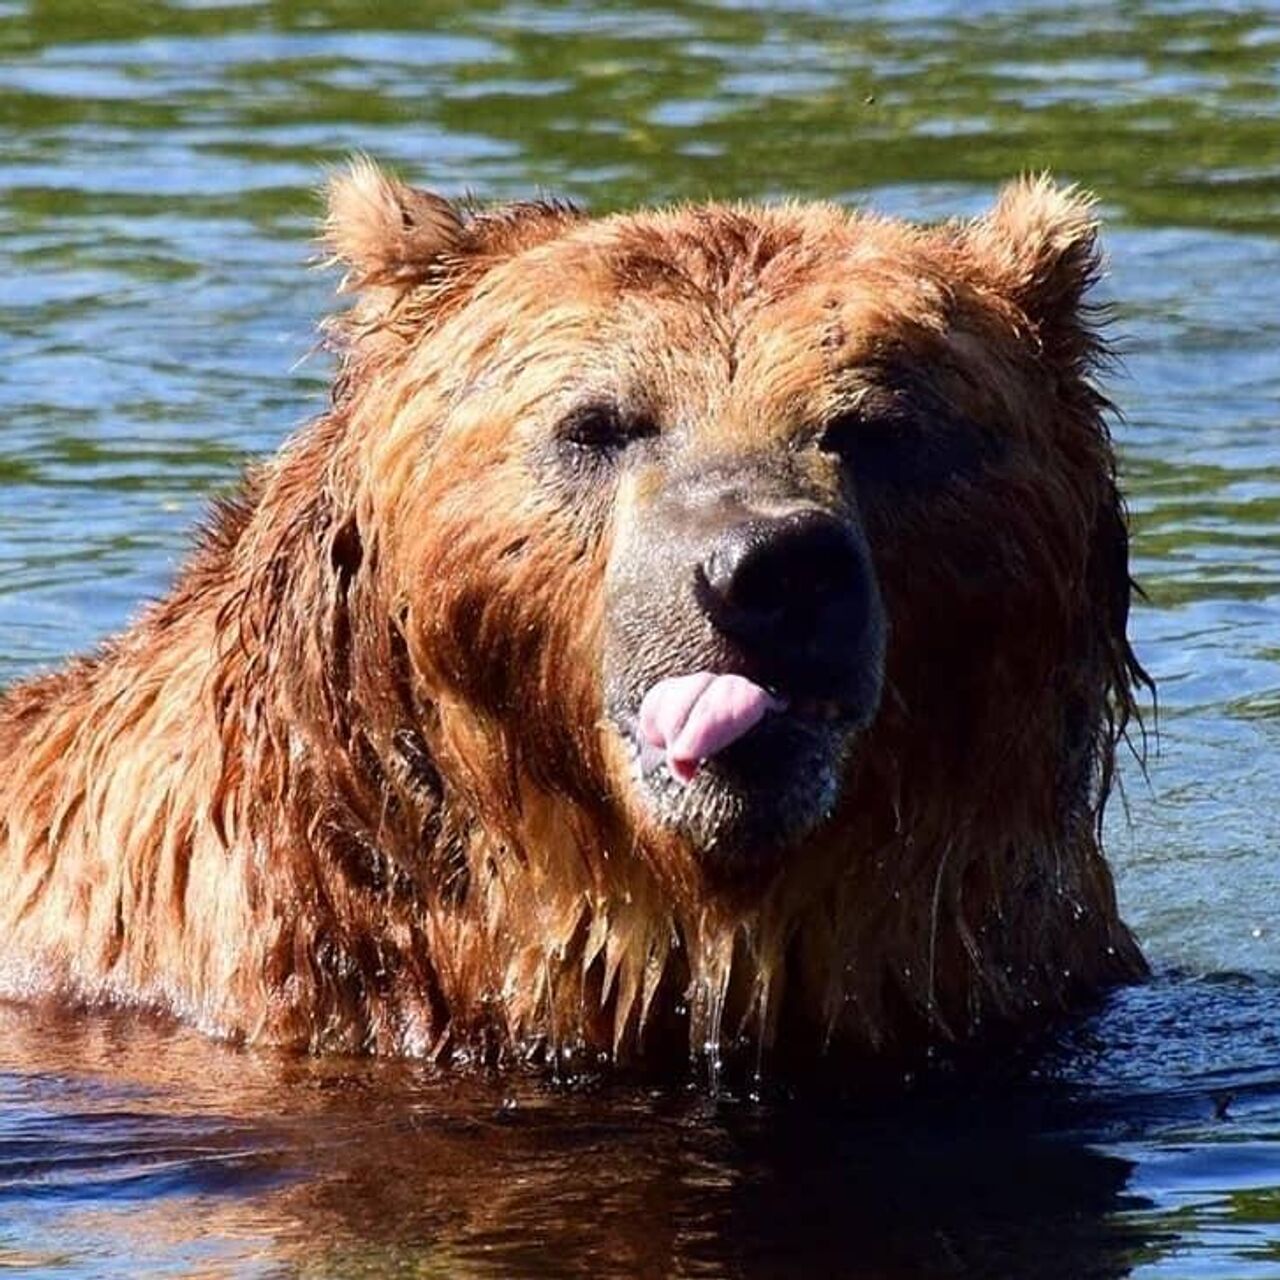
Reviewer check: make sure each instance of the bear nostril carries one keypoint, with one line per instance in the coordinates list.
(776, 581)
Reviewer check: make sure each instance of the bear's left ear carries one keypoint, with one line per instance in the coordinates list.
(385, 233)
(1039, 247)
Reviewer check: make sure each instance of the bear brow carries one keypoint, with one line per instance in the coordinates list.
(721, 259)
(645, 270)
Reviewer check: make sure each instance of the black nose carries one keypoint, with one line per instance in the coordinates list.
(794, 587)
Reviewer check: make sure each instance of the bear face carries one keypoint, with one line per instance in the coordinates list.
(695, 488)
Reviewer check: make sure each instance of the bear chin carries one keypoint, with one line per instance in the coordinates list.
(754, 802)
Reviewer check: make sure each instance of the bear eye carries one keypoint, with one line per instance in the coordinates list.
(603, 431)
(903, 452)
(881, 449)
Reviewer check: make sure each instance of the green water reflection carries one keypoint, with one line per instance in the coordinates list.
(1168, 110)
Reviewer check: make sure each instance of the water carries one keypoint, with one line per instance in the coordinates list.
(157, 164)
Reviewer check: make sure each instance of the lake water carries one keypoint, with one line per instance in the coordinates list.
(157, 169)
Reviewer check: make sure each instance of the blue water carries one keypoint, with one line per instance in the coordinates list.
(157, 170)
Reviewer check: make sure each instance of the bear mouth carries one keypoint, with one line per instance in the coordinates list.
(740, 770)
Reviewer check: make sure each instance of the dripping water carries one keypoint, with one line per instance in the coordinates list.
(708, 993)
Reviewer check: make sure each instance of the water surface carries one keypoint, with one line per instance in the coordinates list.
(157, 173)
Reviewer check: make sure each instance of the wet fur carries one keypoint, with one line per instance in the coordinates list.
(350, 786)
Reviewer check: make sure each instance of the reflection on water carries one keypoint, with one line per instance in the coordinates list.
(130, 1147)
(117, 1142)
(156, 169)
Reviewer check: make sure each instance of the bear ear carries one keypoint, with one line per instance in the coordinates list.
(384, 232)
(1039, 246)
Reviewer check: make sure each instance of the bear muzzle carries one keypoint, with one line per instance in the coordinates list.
(745, 652)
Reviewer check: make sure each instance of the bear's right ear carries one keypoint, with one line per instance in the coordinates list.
(385, 233)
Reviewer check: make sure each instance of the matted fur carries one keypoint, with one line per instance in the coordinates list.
(349, 784)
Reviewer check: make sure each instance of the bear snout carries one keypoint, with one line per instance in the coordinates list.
(795, 595)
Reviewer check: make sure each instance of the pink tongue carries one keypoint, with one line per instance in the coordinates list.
(692, 717)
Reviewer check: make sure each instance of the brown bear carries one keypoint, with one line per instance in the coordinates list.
(685, 629)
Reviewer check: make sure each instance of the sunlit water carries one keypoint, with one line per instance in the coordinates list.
(156, 172)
